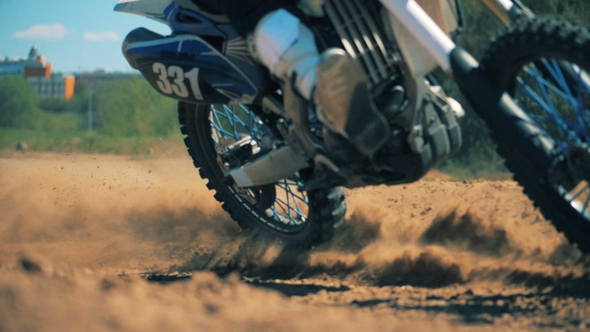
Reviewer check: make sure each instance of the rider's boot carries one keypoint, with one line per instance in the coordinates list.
(344, 103)
(333, 81)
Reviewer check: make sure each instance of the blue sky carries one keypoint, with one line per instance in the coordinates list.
(74, 35)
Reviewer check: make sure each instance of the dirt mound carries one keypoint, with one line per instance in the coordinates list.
(447, 253)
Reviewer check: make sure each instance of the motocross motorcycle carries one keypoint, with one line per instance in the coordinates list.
(266, 155)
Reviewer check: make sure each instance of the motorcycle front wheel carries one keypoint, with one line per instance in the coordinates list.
(544, 64)
(221, 137)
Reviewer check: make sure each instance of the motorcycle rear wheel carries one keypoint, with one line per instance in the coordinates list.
(544, 64)
(217, 133)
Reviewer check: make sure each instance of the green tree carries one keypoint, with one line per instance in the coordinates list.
(78, 104)
(55, 105)
(133, 108)
(18, 104)
(574, 10)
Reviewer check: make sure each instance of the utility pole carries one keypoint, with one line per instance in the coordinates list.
(91, 86)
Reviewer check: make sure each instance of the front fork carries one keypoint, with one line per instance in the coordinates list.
(490, 101)
(412, 25)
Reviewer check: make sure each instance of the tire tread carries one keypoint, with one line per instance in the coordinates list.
(547, 37)
(327, 207)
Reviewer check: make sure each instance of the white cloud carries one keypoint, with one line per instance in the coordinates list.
(102, 36)
(43, 32)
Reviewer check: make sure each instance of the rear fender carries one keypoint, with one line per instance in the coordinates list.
(158, 10)
(188, 68)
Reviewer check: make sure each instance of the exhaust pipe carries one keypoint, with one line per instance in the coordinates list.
(268, 169)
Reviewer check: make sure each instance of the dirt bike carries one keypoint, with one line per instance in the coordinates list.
(265, 153)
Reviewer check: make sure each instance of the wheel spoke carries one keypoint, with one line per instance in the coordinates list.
(557, 74)
(546, 101)
(238, 123)
(570, 131)
(561, 112)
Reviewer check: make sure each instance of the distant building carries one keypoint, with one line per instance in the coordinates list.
(34, 65)
(37, 70)
(53, 87)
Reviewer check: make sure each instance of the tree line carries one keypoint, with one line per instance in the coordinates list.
(133, 108)
(121, 108)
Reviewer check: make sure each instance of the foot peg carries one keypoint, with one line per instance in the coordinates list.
(345, 107)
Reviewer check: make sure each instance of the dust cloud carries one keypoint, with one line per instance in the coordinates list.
(111, 237)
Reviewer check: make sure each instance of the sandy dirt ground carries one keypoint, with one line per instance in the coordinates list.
(98, 243)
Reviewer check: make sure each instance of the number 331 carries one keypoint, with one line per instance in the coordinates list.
(178, 75)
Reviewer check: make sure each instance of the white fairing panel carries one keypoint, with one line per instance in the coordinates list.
(151, 8)
(506, 4)
(432, 43)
